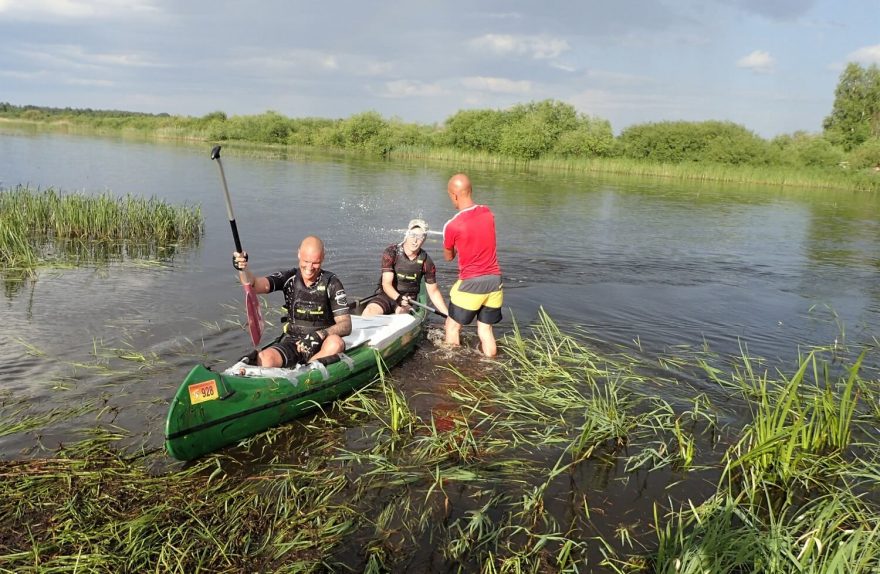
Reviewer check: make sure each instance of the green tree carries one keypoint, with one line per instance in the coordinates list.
(475, 130)
(367, 131)
(592, 137)
(855, 116)
(805, 149)
(677, 142)
(532, 129)
(867, 155)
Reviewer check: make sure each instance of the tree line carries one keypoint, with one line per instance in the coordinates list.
(850, 136)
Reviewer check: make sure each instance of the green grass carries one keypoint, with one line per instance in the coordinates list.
(558, 457)
(784, 176)
(38, 227)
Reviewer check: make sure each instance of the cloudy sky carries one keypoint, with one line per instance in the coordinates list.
(770, 65)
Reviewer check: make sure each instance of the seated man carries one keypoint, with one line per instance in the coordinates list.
(403, 266)
(317, 308)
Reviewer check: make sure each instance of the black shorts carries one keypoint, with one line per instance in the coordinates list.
(487, 315)
(388, 304)
(479, 297)
(290, 355)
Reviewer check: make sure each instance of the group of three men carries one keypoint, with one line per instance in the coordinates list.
(318, 313)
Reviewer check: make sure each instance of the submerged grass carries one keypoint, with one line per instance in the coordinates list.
(91, 508)
(532, 467)
(39, 226)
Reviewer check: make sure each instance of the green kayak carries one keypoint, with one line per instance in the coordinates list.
(212, 410)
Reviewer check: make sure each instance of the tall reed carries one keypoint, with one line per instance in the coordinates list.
(33, 219)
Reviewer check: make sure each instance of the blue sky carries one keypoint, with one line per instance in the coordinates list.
(770, 65)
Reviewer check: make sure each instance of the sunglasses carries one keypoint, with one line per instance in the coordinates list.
(416, 236)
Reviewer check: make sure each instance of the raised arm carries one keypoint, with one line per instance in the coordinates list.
(261, 284)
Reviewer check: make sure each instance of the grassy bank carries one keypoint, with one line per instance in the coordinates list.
(558, 458)
(700, 151)
(41, 227)
(789, 176)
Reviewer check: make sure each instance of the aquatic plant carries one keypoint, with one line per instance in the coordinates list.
(557, 457)
(37, 227)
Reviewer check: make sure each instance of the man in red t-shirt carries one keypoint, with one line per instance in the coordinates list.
(470, 235)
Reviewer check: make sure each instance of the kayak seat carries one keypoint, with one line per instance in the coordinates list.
(379, 330)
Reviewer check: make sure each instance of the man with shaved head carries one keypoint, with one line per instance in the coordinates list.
(470, 235)
(317, 308)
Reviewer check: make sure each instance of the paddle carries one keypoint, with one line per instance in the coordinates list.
(251, 303)
(357, 302)
(427, 308)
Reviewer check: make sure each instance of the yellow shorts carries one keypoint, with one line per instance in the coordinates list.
(486, 307)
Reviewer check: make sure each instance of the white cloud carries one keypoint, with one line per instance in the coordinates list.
(606, 103)
(19, 75)
(562, 66)
(90, 83)
(289, 64)
(376, 69)
(497, 85)
(866, 55)
(409, 89)
(73, 9)
(609, 78)
(78, 57)
(758, 61)
(537, 47)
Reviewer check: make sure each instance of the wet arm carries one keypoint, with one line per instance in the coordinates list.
(436, 297)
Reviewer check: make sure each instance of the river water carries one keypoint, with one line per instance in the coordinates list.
(649, 264)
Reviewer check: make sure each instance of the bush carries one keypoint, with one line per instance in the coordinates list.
(367, 131)
(678, 142)
(866, 155)
(475, 130)
(591, 138)
(403, 134)
(804, 149)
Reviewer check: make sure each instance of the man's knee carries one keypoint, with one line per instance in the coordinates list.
(372, 309)
(270, 358)
(333, 344)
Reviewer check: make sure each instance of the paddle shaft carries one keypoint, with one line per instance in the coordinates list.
(428, 308)
(252, 305)
(354, 304)
(215, 155)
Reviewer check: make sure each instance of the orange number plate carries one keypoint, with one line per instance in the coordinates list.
(204, 391)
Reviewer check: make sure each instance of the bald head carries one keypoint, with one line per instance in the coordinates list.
(312, 244)
(459, 188)
(460, 184)
(311, 256)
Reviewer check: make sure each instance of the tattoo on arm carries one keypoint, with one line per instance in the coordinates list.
(342, 327)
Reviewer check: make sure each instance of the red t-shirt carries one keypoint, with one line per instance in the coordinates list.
(472, 233)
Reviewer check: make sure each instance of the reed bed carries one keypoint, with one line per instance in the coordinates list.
(541, 464)
(41, 225)
(783, 176)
